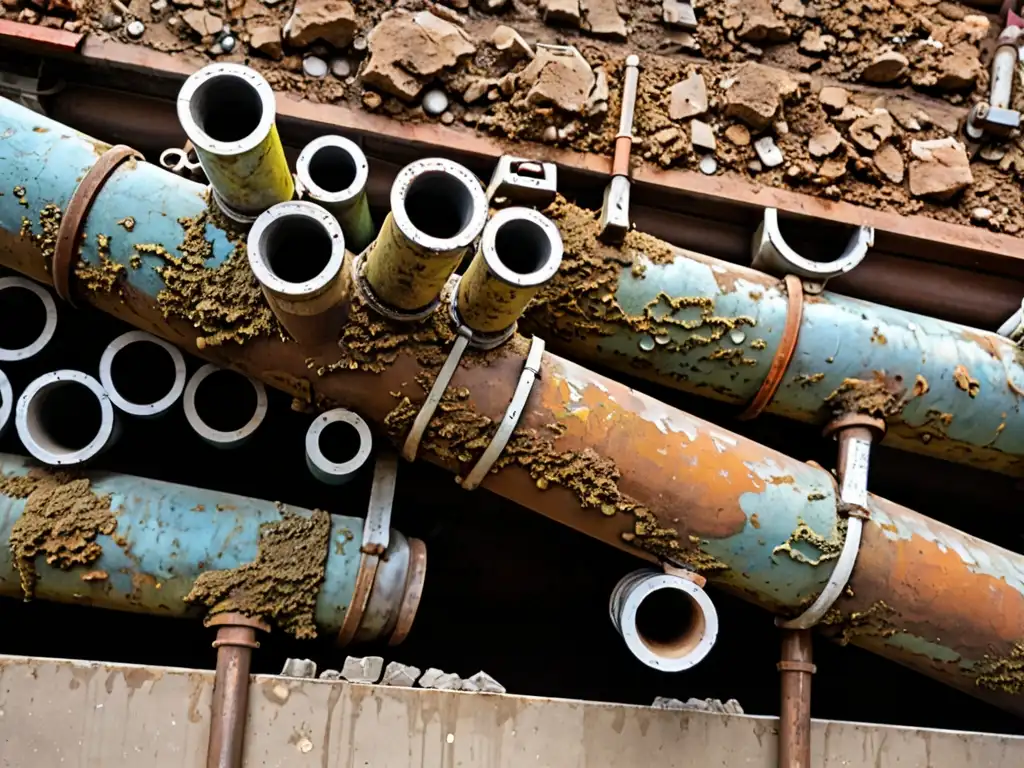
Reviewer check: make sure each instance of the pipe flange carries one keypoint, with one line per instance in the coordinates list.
(49, 326)
(230, 438)
(360, 171)
(480, 341)
(414, 582)
(322, 468)
(107, 377)
(6, 402)
(367, 294)
(773, 254)
(34, 435)
(838, 424)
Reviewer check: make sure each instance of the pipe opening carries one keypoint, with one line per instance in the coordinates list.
(439, 205)
(822, 243)
(332, 169)
(22, 318)
(669, 623)
(296, 247)
(225, 401)
(339, 442)
(143, 372)
(64, 417)
(522, 246)
(226, 108)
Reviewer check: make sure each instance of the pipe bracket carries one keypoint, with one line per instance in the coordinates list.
(797, 666)
(531, 370)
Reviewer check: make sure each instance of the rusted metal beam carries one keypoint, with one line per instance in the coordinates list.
(36, 38)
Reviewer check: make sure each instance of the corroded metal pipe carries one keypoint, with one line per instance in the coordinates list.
(236, 640)
(297, 251)
(332, 172)
(146, 555)
(795, 673)
(438, 209)
(588, 452)
(227, 111)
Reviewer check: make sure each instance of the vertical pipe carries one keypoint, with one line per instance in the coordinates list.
(795, 672)
(236, 640)
(332, 172)
(1004, 67)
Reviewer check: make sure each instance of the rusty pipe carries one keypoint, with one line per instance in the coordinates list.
(236, 640)
(795, 671)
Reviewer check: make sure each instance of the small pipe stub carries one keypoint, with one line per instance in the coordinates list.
(773, 254)
(155, 404)
(332, 171)
(65, 418)
(9, 355)
(228, 438)
(356, 445)
(669, 623)
(6, 402)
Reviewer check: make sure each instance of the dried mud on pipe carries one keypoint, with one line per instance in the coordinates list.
(1002, 673)
(104, 277)
(46, 238)
(282, 583)
(61, 520)
(877, 620)
(458, 434)
(880, 397)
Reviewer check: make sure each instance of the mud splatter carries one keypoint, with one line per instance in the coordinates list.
(807, 379)
(876, 621)
(282, 583)
(963, 380)
(1002, 673)
(828, 548)
(49, 226)
(880, 397)
(104, 277)
(128, 222)
(61, 520)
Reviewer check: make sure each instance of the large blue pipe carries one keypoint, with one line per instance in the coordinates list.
(167, 535)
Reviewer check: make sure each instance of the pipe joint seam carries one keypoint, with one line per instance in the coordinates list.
(49, 325)
(481, 341)
(161, 404)
(797, 666)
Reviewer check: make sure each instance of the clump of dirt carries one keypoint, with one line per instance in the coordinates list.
(225, 303)
(61, 520)
(104, 277)
(282, 583)
(1002, 673)
(828, 548)
(876, 620)
(46, 239)
(880, 397)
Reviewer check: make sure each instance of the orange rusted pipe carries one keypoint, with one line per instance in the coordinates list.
(795, 671)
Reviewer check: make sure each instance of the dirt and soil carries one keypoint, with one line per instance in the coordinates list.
(903, 71)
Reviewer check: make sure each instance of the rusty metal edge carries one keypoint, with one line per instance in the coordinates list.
(24, 36)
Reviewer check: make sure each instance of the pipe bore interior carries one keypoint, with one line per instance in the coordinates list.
(143, 375)
(669, 623)
(522, 246)
(225, 401)
(64, 417)
(340, 442)
(226, 107)
(296, 248)
(439, 204)
(332, 168)
(28, 318)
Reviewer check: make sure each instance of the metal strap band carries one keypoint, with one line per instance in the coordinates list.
(365, 291)
(78, 210)
(531, 370)
(360, 598)
(797, 666)
(784, 354)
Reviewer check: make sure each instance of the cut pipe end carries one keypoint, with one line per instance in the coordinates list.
(332, 170)
(522, 247)
(160, 389)
(438, 205)
(6, 402)
(338, 444)
(296, 250)
(223, 438)
(65, 418)
(668, 622)
(226, 109)
(24, 352)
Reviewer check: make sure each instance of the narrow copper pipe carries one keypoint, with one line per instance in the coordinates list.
(236, 639)
(795, 672)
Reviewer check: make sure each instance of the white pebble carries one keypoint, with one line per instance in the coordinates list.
(981, 214)
(435, 102)
(227, 43)
(135, 29)
(314, 66)
(770, 154)
(708, 165)
(341, 68)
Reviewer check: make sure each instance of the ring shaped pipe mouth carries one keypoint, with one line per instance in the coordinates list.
(226, 109)
(151, 373)
(522, 247)
(669, 623)
(296, 249)
(6, 401)
(338, 444)
(438, 205)
(332, 169)
(10, 331)
(64, 418)
(228, 437)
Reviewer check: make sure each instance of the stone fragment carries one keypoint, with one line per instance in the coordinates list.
(362, 670)
(870, 131)
(678, 13)
(762, 24)
(814, 42)
(447, 118)
(824, 142)
(601, 18)
(738, 135)
(974, 27)
(491, 6)
(550, 134)
(203, 23)
(507, 39)
(940, 170)
(907, 113)
(333, 21)
(755, 95)
(959, 71)
(598, 99)
(434, 102)
(886, 67)
(483, 683)
(666, 136)
(341, 68)
(981, 214)
(561, 12)
(559, 76)
(476, 89)
(793, 8)
(299, 668)
(267, 39)
(731, 707)
(407, 50)
(833, 169)
(158, 6)
(754, 166)
(833, 98)
(702, 136)
(768, 153)
(330, 674)
(314, 66)
(400, 675)
(438, 680)
(688, 97)
(889, 162)
(448, 14)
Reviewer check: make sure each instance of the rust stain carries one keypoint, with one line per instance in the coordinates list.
(920, 386)
(755, 521)
(986, 341)
(95, 576)
(963, 380)
(136, 677)
(878, 337)
(782, 480)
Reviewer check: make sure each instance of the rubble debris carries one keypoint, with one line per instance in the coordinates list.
(434, 102)
(870, 131)
(889, 162)
(813, 42)
(362, 670)
(135, 29)
(824, 142)
(688, 98)
(481, 682)
(940, 169)
(330, 674)
(756, 93)
(441, 681)
(760, 23)
(738, 135)
(601, 18)
(768, 152)
(400, 675)
(506, 39)
(558, 75)
(702, 136)
(598, 99)
(678, 13)
(299, 668)
(833, 98)
(730, 707)
(341, 68)
(333, 21)
(957, 72)
(314, 66)
(407, 50)
(833, 169)
(561, 12)
(886, 67)
(203, 23)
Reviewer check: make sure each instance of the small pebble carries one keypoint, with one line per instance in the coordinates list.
(216, 50)
(562, 133)
(362, 670)
(341, 68)
(737, 337)
(754, 166)
(708, 165)
(173, 22)
(646, 343)
(447, 118)
(371, 100)
(981, 214)
(550, 134)
(314, 66)
(359, 44)
(331, 674)
(768, 153)
(135, 29)
(299, 668)
(227, 43)
(401, 675)
(158, 6)
(435, 102)
(110, 21)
